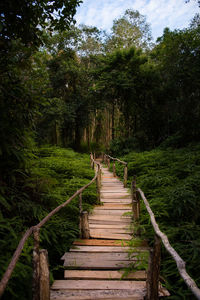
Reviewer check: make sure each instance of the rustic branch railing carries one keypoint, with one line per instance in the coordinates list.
(41, 290)
(154, 258)
(107, 158)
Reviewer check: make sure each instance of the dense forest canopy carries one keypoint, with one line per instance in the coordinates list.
(76, 86)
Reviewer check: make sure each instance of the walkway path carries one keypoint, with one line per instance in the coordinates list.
(93, 266)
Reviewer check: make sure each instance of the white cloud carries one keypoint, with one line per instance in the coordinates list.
(160, 13)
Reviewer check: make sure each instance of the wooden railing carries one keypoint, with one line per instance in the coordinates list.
(107, 158)
(41, 288)
(155, 253)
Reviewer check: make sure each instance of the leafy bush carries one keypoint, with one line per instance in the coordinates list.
(170, 180)
(54, 175)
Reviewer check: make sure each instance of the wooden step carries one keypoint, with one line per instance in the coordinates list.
(112, 212)
(99, 261)
(98, 242)
(99, 249)
(109, 235)
(116, 201)
(99, 275)
(109, 219)
(95, 295)
(136, 286)
(114, 206)
(110, 226)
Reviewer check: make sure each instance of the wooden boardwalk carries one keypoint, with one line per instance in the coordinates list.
(93, 266)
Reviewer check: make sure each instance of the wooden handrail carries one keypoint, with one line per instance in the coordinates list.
(107, 159)
(179, 261)
(136, 211)
(35, 228)
(116, 159)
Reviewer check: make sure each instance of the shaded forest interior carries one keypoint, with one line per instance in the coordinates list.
(65, 87)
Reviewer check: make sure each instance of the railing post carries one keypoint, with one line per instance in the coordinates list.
(98, 182)
(114, 169)
(36, 264)
(92, 160)
(85, 233)
(153, 272)
(44, 275)
(134, 199)
(80, 213)
(108, 160)
(125, 175)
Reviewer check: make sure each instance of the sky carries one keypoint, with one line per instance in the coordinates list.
(175, 14)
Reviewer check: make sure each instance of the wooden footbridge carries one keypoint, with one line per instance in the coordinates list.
(93, 265)
(96, 263)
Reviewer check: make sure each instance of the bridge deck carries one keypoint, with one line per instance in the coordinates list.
(94, 266)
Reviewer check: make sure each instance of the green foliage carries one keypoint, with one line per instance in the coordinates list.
(170, 180)
(20, 20)
(55, 175)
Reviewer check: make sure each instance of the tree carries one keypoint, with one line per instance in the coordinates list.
(177, 57)
(130, 30)
(25, 20)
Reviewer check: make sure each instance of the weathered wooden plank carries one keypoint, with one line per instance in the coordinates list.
(96, 294)
(112, 256)
(88, 274)
(110, 230)
(110, 226)
(96, 242)
(108, 218)
(93, 274)
(115, 195)
(93, 264)
(98, 249)
(116, 201)
(99, 285)
(115, 212)
(110, 235)
(114, 206)
(116, 189)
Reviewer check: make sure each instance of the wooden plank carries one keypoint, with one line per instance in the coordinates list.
(109, 230)
(93, 264)
(96, 294)
(115, 195)
(114, 191)
(114, 206)
(112, 256)
(88, 274)
(99, 285)
(99, 249)
(108, 218)
(112, 212)
(108, 235)
(101, 261)
(96, 242)
(104, 221)
(116, 201)
(110, 226)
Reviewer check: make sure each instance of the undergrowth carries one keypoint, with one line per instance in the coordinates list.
(170, 180)
(53, 175)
